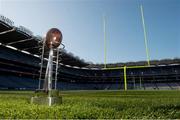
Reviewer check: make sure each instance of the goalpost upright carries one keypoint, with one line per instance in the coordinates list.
(145, 35)
(105, 46)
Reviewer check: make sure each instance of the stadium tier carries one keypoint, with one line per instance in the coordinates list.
(20, 58)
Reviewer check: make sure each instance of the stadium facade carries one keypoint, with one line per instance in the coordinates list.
(20, 60)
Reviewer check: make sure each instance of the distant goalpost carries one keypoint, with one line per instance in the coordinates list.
(127, 67)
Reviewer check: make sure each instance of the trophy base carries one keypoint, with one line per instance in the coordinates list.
(46, 98)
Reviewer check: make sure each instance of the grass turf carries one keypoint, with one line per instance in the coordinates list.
(94, 105)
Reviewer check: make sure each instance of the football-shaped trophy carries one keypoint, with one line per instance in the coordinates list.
(48, 94)
(53, 38)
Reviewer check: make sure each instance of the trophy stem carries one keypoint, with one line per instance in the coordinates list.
(49, 72)
(50, 69)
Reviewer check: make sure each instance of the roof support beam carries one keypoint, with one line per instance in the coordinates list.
(7, 31)
(29, 48)
(19, 41)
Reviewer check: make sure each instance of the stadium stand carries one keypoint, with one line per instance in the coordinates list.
(20, 53)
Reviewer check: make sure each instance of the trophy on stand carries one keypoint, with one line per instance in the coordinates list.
(48, 93)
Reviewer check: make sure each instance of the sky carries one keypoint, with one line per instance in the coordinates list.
(81, 23)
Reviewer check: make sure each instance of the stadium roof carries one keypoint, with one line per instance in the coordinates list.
(23, 40)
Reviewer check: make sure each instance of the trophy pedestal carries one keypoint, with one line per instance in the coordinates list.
(46, 98)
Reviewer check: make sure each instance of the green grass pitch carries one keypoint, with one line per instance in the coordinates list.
(94, 105)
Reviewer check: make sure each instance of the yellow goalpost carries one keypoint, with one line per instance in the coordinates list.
(127, 67)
